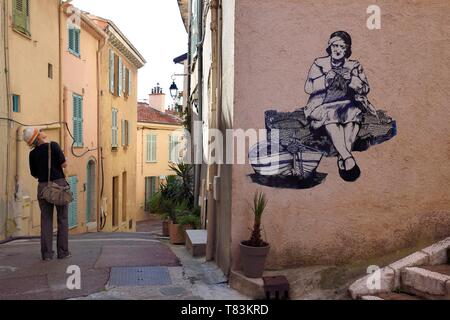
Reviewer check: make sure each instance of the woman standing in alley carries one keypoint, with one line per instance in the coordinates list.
(39, 167)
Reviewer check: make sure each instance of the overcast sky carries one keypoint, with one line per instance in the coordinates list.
(155, 28)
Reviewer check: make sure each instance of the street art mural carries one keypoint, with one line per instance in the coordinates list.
(337, 121)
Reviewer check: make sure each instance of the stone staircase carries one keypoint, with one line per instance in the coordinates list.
(423, 275)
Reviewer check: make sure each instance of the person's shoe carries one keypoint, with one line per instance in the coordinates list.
(67, 256)
(350, 175)
(47, 259)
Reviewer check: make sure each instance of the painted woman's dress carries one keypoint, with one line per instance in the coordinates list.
(336, 102)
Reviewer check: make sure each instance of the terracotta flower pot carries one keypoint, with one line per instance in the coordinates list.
(253, 260)
(165, 228)
(176, 233)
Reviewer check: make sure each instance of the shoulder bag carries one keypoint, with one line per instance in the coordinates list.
(54, 193)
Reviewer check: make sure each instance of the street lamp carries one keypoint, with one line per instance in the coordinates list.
(173, 89)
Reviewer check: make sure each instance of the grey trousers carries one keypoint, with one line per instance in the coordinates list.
(62, 242)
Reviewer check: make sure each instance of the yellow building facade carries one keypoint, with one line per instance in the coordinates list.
(159, 143)
(33, 91)
(119, 64)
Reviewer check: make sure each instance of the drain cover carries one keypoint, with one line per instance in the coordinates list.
(140, 276)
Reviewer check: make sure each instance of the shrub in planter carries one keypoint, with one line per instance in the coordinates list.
(254, 251)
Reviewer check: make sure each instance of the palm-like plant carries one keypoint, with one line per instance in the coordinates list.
(184, 173)
(259, 205)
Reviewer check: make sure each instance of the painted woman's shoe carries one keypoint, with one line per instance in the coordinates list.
(350, 175)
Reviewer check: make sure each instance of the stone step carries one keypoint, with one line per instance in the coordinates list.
(196, 242)
(430, 282)
(394, 296)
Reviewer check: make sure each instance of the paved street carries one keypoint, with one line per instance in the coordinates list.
(112, 266)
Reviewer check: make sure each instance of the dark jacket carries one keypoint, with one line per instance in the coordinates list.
(39, 162)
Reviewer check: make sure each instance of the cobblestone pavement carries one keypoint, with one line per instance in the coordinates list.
(23, 275)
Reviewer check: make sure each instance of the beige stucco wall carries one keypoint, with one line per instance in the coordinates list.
(157, 169)
(28, 62)
(116, 162)
(402, 199)
(80, 77)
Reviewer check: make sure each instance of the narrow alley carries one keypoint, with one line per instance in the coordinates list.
(114, 266)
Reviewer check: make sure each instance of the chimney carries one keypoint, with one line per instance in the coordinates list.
(157, 99)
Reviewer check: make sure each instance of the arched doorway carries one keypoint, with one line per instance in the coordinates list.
(91, 192)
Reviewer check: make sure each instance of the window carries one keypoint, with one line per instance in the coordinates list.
(125, 133)
(150, 189)
(16, 103)
(74, 41)
(195, 35)
(173, 148)
(50, 71)
(78, 120)
(119, 82)
(21, 16)
(115, 129)
(151, 148)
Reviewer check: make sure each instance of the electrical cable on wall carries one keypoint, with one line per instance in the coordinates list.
(103, 215)
(52, 123)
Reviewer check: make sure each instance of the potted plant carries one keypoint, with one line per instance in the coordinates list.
(156, 207)
(175, 212)
(254, 251)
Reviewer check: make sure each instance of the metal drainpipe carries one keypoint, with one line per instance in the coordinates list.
(198, 171)
(8, 105)
(100, 176)
(212, 169)
(61, 132)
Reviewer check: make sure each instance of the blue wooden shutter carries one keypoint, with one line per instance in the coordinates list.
(78, 120)
(73, 206)
(111, 71)
(16, 103)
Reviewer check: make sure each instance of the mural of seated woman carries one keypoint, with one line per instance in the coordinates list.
(338, 91)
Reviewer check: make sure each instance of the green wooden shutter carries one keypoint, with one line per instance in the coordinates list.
(115, 129)
(128, 137)
(120, 80)
(111, 71)
(77, 41)
(71, 40)
(73, 206)
(175, 150)
(21, 15)
(170, 148)
(78, 120)
(123, 132)
(151, 148)
(129, 82)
